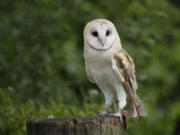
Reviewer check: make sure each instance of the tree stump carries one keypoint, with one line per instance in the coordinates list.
(94, 125)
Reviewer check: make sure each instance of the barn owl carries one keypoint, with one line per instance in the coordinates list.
(110, 67)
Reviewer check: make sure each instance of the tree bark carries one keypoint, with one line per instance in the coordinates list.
(94, 125)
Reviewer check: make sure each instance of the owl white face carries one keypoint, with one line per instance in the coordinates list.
(100, 36)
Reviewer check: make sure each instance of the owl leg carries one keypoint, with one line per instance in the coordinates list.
(109, 99)
(118, 109)
(121, 99)
(120, 103)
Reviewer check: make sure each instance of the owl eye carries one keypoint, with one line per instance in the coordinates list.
(94, 33)
(108, 33)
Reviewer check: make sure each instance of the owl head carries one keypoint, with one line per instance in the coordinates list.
(100, 34)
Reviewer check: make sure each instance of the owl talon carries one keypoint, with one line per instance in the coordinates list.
(124, 112)
(103, 113)
(117, 114)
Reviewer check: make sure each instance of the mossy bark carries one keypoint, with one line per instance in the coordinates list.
(95, 125)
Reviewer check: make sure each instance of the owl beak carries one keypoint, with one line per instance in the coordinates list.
(101, 41)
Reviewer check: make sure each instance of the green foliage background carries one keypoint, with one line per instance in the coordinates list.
(42, 68)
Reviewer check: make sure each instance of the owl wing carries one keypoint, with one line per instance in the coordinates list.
(89, 74)
(124, 69)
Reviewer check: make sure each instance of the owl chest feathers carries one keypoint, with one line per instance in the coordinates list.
(100, 66)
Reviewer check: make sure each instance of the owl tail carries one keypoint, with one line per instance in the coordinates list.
(132, 110)
(141, 108)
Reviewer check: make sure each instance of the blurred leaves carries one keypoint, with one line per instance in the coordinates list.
(42, 68)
